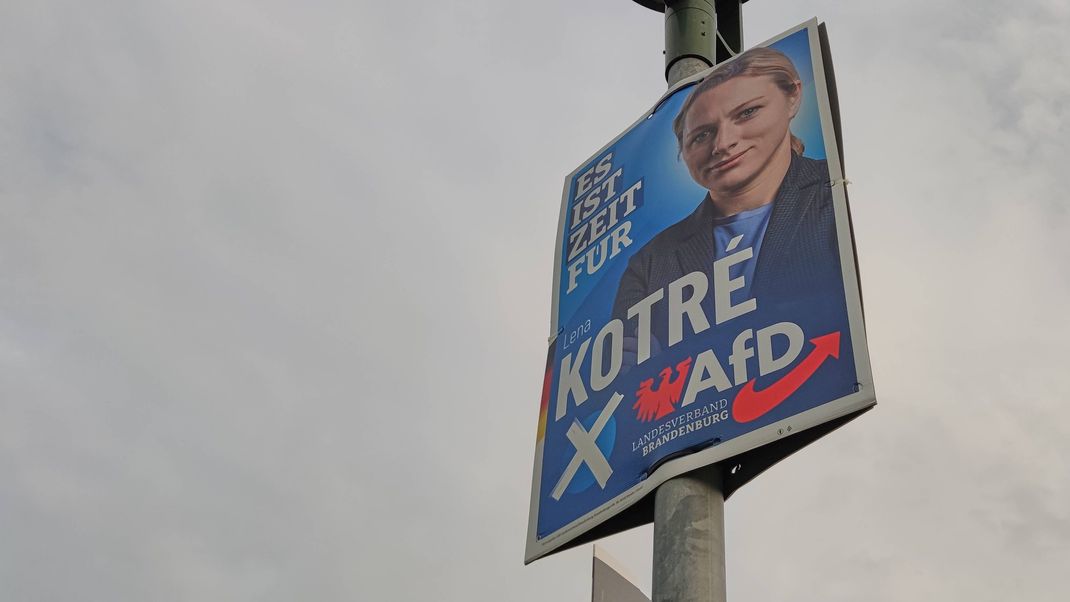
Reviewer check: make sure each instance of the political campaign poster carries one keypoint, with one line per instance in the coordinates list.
(706, 300)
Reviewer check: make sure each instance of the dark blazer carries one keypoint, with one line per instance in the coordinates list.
(798, 256)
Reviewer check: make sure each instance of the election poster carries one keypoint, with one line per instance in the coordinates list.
(706, 301)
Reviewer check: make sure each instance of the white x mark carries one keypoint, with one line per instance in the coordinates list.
(587, 449)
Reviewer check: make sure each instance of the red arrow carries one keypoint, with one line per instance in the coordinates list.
(750, 404)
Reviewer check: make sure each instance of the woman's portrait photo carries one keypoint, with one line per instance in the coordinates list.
(734, 134)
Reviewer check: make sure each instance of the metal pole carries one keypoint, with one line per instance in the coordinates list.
(689, 538)
(691, 28)
(690, 33)
(689, 546)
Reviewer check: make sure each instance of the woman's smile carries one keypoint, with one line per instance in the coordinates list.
(736, 138)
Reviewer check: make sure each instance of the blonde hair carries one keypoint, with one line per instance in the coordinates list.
(756, 61)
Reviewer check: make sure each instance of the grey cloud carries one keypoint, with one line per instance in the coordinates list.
(274, 286)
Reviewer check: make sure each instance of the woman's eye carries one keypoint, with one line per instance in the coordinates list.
(700, 138)
(748, 112)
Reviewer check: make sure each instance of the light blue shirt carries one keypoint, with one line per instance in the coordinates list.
(751, 225)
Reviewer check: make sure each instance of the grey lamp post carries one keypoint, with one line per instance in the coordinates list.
(691, 28)
(689, 549)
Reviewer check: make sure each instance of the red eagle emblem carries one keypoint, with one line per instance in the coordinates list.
(653, 404)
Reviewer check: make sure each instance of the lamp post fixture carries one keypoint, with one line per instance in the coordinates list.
(691, 34)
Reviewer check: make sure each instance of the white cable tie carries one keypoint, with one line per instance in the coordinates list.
(725, 44)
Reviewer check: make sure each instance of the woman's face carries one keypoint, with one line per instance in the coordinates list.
(736, 134)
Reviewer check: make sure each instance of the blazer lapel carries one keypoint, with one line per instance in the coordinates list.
(797, 192)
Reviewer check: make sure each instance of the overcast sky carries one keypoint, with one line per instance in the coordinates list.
(275, 290)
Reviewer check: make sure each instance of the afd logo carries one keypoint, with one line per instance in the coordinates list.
(680, 385)
(751, 404)
(655, 403)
